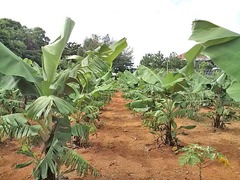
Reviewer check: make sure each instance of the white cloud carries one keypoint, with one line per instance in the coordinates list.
(149, 25)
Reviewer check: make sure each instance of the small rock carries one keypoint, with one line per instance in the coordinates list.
(175, 148)
(134, 138)
(147, 148)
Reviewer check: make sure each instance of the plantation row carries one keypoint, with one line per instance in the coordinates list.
(59, 108)
(37, 103)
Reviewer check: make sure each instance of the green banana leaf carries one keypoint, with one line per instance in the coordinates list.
(234, 91)
(43, 105)
(131, 78)
(73, 161)
(105, 77)
(100, 60)
(198, 82)
(103, 87)
(62, 131)
(148, 75)
(8, 82)
(22, 165)
(16, 126)
(172, 82)
(52, 52)
(220, 44)
(221, 79)
(190, 56)
(80, 130)
(116, 49)
(61, 83)
(13, 65)
(48, 162)
(187, 127)
(143, 103)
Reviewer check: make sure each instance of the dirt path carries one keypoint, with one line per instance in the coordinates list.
(123, 149)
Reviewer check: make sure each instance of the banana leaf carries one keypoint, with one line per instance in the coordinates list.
(148, 75)
(43, 105)
(52, 52)
(13, 65)
(115, 49)
(220, 44)
(234, 91)
(143, 103)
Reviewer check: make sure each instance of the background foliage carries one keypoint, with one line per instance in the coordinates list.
(24, 42)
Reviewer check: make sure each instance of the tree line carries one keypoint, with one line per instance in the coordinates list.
(159, 61)
(27, 42)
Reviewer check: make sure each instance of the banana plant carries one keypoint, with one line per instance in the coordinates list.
(222, 46)
(47, 105)
(93, 85)
(52, 108)
(221, 101)
(11, 101)
(164, 118)
(158, 104)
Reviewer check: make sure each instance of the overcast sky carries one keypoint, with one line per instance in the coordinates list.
(148, 25)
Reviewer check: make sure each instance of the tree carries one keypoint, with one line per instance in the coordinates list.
(35, 39)
(153, 61)
(73, 48)
(123, 61)
(173, 62)
(23, 41)
(92, 42)
(12, 34)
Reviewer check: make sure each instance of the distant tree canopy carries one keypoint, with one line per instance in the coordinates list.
(121, 63)
(73, 48)
(153, 60)
(27, 43)
(158, 60)
(91, 43)
(23, 41)
(124, 61)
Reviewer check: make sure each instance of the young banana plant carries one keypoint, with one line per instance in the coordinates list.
(51, 109)
(160, 107)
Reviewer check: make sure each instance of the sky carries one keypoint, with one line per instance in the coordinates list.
(149, 25)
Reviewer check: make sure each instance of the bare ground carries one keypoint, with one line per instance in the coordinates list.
(124, 149)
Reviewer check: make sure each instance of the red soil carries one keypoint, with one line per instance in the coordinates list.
(124, 149)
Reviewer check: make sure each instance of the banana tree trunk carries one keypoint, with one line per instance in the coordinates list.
(168, 136)
(50, 174)
(217, 122)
